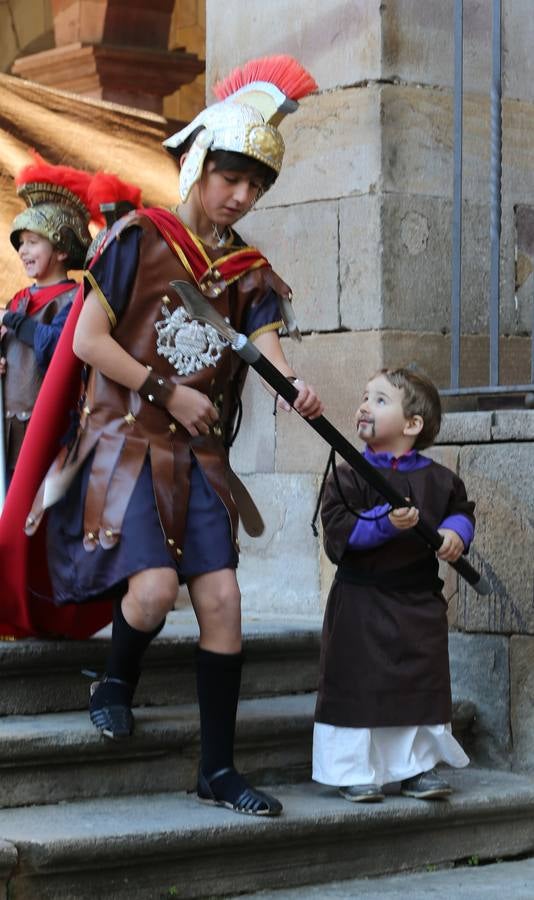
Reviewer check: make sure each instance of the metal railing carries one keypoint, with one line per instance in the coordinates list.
(495, 183)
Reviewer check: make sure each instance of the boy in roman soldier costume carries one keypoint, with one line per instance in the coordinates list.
(51, 236)
(384, 703)
(152, 500)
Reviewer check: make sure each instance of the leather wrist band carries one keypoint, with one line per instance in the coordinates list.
(156, 390)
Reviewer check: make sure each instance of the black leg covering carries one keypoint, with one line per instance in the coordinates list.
(128, 646)
(218, 685)
(111, 698)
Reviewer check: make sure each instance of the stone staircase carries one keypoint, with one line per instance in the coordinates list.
(83, 817)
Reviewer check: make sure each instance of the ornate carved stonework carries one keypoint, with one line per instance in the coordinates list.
(113, 51)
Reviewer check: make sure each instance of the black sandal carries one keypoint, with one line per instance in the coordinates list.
(248, 801)
(110, 707)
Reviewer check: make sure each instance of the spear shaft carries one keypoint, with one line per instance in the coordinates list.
(199, 308)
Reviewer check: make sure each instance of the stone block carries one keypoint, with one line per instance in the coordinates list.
(361, 262)
(417, 141)
(522, 700)
(338, 365)
(480, 673)
(395, 265)
(466, 428)
(333, 148)
(498, 478)
(340, 43)
(254, 447)
(346, 43)
(513, 425)
(416, 267)
(418, 43)
(301, 242)
(279, 571)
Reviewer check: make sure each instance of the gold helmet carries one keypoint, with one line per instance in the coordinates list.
(253, 100)
(56, 197)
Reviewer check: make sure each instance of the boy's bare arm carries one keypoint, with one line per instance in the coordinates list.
(307, 403)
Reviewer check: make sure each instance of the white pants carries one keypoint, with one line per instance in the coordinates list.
(346, 756)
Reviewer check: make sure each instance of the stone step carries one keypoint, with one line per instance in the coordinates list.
(60, 756)
(513, 879)
(45, 676)
(170, 846)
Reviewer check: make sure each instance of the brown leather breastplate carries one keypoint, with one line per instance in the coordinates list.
(122, 428)
(23, 377)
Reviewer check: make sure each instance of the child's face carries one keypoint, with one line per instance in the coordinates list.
(226, 195)
(39, 258)
(380, 419)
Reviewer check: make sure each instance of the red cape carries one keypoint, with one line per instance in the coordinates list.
(26, 609)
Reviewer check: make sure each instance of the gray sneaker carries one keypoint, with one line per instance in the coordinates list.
(426, 786)
(362, 793)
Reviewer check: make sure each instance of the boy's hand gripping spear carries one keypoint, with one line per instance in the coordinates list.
(199, 308)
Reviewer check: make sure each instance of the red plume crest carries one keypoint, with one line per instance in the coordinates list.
(285, 72)
(75, 180)
(105, 187)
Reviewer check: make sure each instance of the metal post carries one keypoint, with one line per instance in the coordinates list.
(495, 189)
(456, 286)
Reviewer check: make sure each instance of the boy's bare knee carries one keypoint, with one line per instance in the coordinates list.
(223, 601)
(152, 594)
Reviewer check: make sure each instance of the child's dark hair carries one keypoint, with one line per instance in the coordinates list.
(421, 398)
(229, 160)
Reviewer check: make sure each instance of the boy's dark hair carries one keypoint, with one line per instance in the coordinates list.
(421, 398)
(236, 162)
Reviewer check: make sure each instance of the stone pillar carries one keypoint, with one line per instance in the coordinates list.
(113, 50)
(359, 221)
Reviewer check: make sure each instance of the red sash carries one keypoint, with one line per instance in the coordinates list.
(24, 609)
(33, 301)
(189, 250)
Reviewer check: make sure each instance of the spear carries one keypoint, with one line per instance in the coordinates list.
(200, 309)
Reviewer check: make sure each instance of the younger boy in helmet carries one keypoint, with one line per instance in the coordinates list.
(51, 237)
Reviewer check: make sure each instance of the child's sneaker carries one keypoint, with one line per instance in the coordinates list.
(362, 793)
(426, 786)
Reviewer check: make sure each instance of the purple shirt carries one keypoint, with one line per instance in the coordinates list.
(376, 529)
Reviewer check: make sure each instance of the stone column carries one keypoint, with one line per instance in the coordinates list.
(359, 221)
(113, 50)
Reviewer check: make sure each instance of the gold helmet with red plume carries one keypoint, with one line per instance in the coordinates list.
(252, 102)
(58, 207)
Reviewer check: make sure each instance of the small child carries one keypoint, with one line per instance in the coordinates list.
(384, 705)
(51, 236)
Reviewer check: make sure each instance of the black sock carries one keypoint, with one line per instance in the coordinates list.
(218, 684)
(127, 647)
